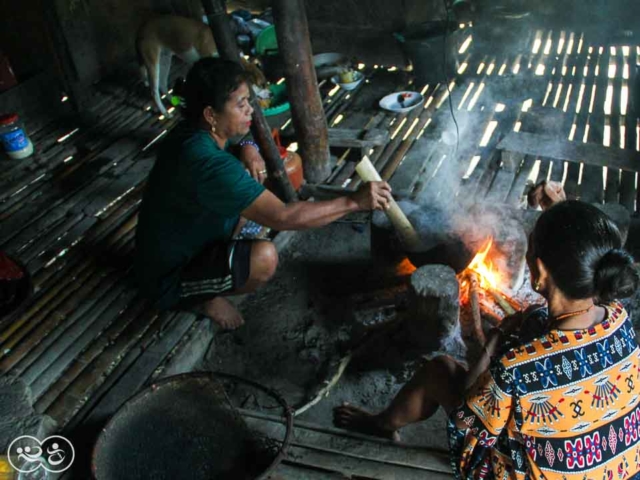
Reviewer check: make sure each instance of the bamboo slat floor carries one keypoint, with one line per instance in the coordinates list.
(85, 341)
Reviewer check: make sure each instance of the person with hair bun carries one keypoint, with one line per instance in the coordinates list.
(556, 394)
(199, 194)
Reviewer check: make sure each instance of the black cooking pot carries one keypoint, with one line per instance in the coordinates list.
(453, 253)
(442, 243)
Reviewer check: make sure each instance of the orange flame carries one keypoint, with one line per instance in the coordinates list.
(405, 268)
(488, 275)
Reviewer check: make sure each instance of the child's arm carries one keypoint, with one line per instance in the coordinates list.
(482, 365)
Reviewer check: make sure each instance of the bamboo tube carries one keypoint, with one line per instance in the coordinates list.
(405, 230)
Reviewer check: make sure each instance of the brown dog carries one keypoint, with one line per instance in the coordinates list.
(162, 37)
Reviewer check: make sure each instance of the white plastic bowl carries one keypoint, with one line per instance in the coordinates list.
(329, 60)
(411, 101)
(359, 77)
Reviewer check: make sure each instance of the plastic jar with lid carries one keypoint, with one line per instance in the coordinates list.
(15, 141)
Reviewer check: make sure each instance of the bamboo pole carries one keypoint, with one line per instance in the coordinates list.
(42, 323)
(226, 44)
(55, 325)
(95, 349)
(101, 368)
(33, 318)
(405, 230)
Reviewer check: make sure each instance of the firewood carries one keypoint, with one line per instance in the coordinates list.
(500, 299)
(488, 314)
(472, 279)
(329, 384)
(377, 334)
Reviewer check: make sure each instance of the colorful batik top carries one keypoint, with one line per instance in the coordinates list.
(562, 406)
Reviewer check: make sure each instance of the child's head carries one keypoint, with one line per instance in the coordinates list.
(580, 248)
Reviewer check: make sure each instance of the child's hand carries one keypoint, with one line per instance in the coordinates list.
(546, 194)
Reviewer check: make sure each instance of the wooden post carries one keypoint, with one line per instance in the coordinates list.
(65, 68)
(228, 49)
(308, 116)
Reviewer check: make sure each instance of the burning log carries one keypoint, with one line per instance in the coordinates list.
(472, 279)
(502, 301)
(482, 271)
(515, 304)
(489, 314)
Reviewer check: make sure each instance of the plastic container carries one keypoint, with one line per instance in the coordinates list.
(279, 102)
(267, 42)
(267, 51)
(356, 80)
(14, 140)
(292, 164)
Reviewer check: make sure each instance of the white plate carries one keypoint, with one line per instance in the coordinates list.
(411, 101)
(329, 60)
(359, 77)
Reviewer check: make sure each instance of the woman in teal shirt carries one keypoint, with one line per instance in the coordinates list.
(198, 195)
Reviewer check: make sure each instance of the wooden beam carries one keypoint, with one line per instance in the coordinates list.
(328, 438)
(358, 138)
(260, 129)
(307, 114)
(560, 149)
(511, 160)
(65, 67)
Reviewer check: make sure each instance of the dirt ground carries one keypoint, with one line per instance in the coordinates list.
(300, 324)
(304, 321)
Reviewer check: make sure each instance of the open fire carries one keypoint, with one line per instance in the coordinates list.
(481, 291)
(488, 276)
(483, 287)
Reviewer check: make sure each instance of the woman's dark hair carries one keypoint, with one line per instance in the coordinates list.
(582, 249)
(209, 83)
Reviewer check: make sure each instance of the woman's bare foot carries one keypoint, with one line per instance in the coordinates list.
(357, 420)
(222, 312)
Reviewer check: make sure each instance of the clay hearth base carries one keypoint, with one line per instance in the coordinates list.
(433, 323)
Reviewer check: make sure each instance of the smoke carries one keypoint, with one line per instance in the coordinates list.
(506, 33)
(454, 235)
